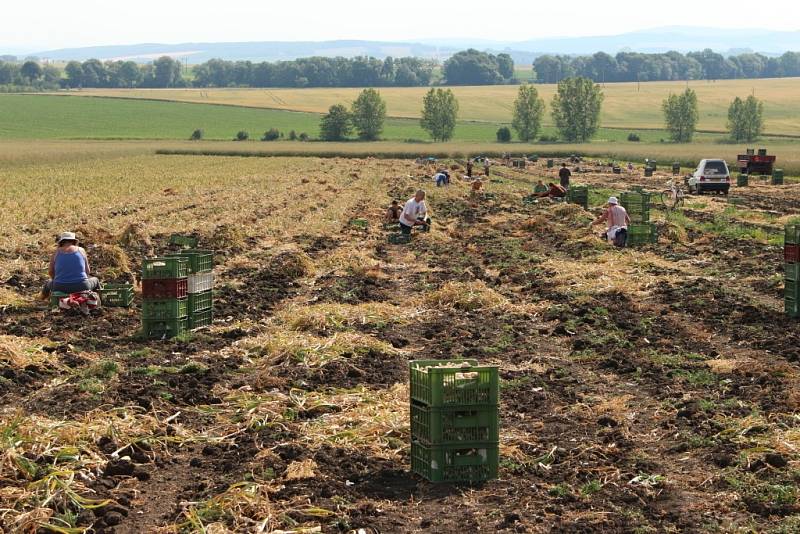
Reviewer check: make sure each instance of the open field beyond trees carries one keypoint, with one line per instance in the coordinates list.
(626, 105)
(15, 152)
(643, 390)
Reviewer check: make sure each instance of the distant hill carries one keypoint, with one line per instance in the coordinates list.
(252, 51)
(679, 38)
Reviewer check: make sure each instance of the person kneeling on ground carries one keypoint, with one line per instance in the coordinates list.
(415, 213)
(442, 178)
(553, 191)
(540, 188)
(69, 268)
(477, 185)
(393, 213)
(617, 220)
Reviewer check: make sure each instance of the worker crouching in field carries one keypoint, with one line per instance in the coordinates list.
(617, 221)
(69, 268)
(540, 188)
(442, 178)
(393, 213)
(415, 213)
(553, 191)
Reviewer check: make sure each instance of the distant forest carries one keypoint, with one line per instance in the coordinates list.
(469, 67)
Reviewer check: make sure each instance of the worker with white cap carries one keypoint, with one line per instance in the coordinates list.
(69, 268)
(617, 221)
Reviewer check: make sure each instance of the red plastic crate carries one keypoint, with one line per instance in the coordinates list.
(791, 253)
(169, 288)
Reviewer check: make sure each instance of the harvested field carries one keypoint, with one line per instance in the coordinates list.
(643, 390)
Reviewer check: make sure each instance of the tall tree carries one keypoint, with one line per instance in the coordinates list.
(576, 109)
(166, 72)
(74, 72)
(368, 114)
(31, 71)
(439, 113)
(505, 66)
(746, 118)
(472, 67)
(336, 126)
(528, 112)
(681, 115)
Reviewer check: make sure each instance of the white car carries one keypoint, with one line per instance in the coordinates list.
(711, 175)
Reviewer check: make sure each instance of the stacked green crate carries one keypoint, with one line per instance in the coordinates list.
(637, 204)
(165, 305)
(201, 286)
(641, 231)
(642, 234)
(791, 258)
(454, 420)
(579, 194)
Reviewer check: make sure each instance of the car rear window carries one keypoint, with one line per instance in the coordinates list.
(715, 167)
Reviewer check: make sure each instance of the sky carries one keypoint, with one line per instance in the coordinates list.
(50, 24)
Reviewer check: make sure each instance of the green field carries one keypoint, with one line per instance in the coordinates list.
(66, 117)
(626, 105)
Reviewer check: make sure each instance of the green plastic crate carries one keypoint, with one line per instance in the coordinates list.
(792, 234)
(186, 241)
(742, 180)
(462, 462)
(642, 234)
(116, 295)
(792, 307)
(55, 296)
(550, 163)
(777, 177)
(438, 383)
(165, 268)
(791, 289)
(201, 318)
(165, 328)
(792, 271)
(637, 204)
(201, 301)
(200, 261)
(399, 239)
(443, 426)
(164, 310)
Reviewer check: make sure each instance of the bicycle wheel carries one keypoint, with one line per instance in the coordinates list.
(667, 199)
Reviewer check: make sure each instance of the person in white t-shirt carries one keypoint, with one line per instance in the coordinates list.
(616, 218)
(415, 213)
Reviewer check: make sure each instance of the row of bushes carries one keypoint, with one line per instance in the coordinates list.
(273, 134)
(504, 136)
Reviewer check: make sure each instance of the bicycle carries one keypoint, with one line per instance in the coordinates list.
(673, 197)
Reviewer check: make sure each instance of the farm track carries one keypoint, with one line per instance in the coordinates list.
(648, 390)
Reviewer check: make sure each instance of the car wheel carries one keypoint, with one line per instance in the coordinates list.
(698, 190)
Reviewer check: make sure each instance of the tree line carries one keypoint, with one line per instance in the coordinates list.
(670, 66)
(469, 67)
(575, 110)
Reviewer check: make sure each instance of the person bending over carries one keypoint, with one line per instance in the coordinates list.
(415, 213)
(617, 221)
